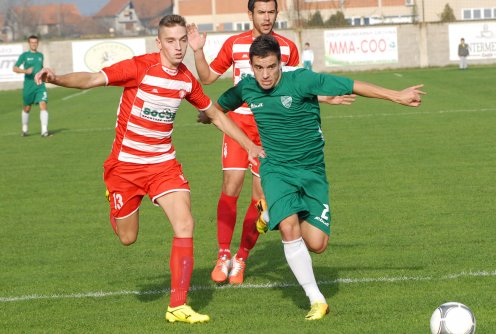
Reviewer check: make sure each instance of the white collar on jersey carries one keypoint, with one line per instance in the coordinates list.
(170, 71)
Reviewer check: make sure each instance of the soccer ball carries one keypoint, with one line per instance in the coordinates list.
(452, 318)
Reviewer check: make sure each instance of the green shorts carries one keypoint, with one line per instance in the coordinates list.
(33, 94)
(290, 190)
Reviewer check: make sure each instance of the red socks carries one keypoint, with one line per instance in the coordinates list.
(181, 269)
(250, 234)
(226, 220)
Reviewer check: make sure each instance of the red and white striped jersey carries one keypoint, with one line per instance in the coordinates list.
(147, 109)
(236, 51)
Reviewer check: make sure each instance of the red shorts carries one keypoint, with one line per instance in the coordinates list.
(234, 156)
(127, 183)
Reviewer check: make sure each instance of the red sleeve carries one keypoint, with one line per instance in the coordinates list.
(294, 56)
(224, 58)
(123, 73)
(197, 97)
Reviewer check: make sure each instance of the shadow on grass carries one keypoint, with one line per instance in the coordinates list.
(266, 266)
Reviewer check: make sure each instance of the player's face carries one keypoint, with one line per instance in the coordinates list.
(33, 44)
(172, 43)
(264, 16)
(267, 70)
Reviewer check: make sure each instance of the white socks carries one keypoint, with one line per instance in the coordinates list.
(300, 262)
(44, 121)
(25, 121)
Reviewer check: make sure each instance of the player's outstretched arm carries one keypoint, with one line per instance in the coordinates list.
(23, 71)
(81, 80)
(196, 41)
(410, 96)
(342, 99)
(226, 125)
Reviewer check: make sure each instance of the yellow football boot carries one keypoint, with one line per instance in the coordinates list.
(184, 313)
(318, 311)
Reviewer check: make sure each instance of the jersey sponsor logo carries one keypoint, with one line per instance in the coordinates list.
(224, 151)
(256, 105)
(161, 116)
(286, 101)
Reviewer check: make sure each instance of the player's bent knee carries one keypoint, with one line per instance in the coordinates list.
(127, 239)
(317, 250)
(317, 246)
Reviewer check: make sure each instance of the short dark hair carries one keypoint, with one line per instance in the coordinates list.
(33, 37)
(172, 21)
(251, 4)
(265, 45)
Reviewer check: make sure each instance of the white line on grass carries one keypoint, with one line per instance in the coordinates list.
(74, 95)
(411, 113)
(6, 134)
(281, 285)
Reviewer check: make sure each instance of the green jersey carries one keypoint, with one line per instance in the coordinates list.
(288, 115)
(30, 59)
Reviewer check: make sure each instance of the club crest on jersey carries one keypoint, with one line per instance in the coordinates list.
(286, 101)
(182, 93)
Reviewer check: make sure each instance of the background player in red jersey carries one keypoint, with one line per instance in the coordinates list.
(143, 160)
(263, 14)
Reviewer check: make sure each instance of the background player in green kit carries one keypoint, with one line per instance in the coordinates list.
(32, 62)
(293, 173)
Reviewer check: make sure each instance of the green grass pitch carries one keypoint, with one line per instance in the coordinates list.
(413, 200)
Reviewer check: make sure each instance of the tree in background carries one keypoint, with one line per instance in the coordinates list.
(447, 15)
(315, 20)
(337, 20)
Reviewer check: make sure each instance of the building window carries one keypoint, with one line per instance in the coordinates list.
(477, 14)
(356, 21)
(467, 14)
(487, 13)
(228, 26)
(281, 25)
(366, 21)
(243, 26)
(206, 27)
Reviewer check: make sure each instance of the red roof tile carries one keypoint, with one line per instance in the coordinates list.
(146, 9)
(52, 14)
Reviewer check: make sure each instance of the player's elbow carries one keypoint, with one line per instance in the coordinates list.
(206, 81)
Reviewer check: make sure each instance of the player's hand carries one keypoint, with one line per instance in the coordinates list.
(196, 40)
(45, 75)
(255, 152)
(411, 96)
(341, 99)
(29, 70)
(203, 118)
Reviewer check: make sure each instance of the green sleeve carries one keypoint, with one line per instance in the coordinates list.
(232, 98)
(21, 60)
(323, 84)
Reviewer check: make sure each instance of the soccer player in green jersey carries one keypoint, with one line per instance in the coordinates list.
(293, 174)
(30, 63)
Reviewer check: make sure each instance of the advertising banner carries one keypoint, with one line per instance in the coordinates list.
(348, 47)
(9, 53)
(480, 37)
(213, 45)
(92, 56)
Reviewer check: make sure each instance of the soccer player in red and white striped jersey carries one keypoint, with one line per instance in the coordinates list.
(143, 160)
(235, 52)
